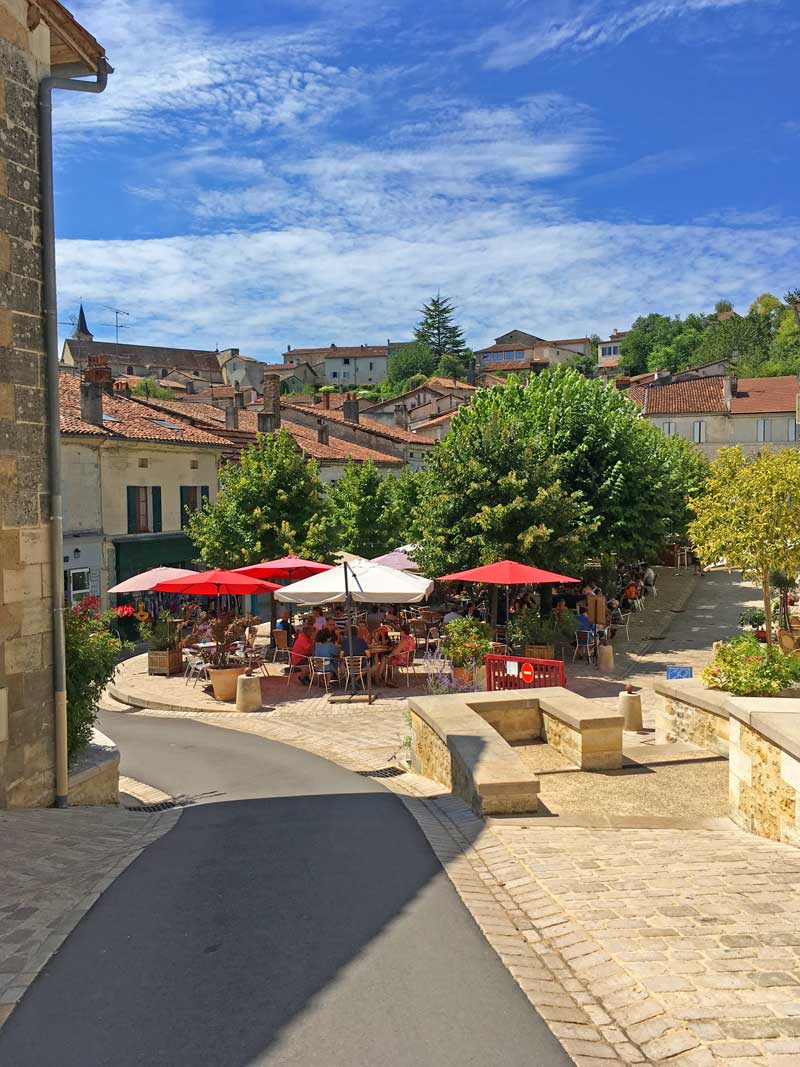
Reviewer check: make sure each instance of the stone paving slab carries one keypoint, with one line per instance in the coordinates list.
(55, 864)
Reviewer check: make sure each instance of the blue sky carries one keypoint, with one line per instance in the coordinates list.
(311, 171)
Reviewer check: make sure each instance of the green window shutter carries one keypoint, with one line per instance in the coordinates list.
(203, 494)
(184, 503)
(131, 509)
(156, 509)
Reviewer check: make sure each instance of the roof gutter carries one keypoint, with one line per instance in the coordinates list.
(46, 87)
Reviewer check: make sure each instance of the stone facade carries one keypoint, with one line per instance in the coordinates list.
(764, 785)
(703, 726)
(27, 755)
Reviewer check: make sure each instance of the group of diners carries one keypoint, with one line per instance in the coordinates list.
(379, 638)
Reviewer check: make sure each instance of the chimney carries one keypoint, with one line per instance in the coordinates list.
(232, 416)
(97, 380)
(238, 400)
(326, 401)
(269, 418)
(401, 416)
(322, 431)
(350, 408)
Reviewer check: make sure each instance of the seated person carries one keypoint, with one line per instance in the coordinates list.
(364, 634)
(327, 649)
(450, 616)
(401, 653)
(649, 576)
(374, 620)
(615, 619)
(629, 593)
(353, 644)
(302, 648)
(285, 623)
(583, 621)
(473, 613)
(560, 607)
(319, 619)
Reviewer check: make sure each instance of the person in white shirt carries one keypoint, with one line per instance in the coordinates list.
(649, 576)
(450, 616)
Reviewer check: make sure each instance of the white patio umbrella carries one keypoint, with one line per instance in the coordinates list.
(140, 583)
(364, 581)
(399, 559)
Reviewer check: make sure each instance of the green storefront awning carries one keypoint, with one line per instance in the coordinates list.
(137, 554)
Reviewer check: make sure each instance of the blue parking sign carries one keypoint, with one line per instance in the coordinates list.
(678, 672)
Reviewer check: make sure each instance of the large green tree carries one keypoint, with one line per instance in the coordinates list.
(358, 516)
(647, 333)
(410, 360)
(437, 330)
(552, 472)
(264, 508)
(748, 515)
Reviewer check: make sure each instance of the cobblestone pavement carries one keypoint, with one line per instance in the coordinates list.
(55, 864)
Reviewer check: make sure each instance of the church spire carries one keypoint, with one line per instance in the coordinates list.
(81, 331)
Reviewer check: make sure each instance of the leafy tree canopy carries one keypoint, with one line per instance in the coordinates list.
(748, 515)
(416, 358)
(358, 517)
(264, 507)
(150, 387)
(550, 473)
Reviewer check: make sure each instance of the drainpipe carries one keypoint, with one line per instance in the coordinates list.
(46, 87)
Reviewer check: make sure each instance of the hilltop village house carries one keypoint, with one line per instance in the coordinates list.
(350, 366)
(520, 352)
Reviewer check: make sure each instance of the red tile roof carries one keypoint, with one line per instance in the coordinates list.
(134, 379)
(128, 419)
(393, 433)
(507, 347)
(636, 393)
(448, 383)
(348, 351)
(757, 395)
(335, 451)
(703, 395)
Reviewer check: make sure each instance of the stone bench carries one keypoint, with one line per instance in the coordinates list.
(461, 740)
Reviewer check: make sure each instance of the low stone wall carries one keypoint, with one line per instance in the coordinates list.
(765, 767)
(584, 734)
(455, 745)
(94, 774)
(692, 713)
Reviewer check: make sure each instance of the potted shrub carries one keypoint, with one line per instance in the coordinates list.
(754, 618)
(745, 667)
(466, 643)
(164, 655)
(530, 634)
(225, 631)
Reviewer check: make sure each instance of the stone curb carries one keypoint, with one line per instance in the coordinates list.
(145, 794)
(153, 827)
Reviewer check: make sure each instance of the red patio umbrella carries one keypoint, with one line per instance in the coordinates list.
(216, 583)
(289, 568)
(507, 572)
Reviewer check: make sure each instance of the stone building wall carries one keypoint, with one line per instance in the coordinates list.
(26, 730)
(764, 785)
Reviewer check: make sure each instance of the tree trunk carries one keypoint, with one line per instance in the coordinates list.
(767, 607)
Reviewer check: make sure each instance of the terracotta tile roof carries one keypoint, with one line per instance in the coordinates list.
(392, 433)
(335, 451)
(184, 359)
(129, 419)
(437, 420)
(757, 395)
(448, 383)
(570, 341)
(703, 395)
(348, 351)
(636, 393)
(506, 347)
(513, 364)
(134, 379)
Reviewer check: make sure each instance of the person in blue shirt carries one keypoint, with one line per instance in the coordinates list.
(353, 645)
(285, 623)
(582, 619)
(326, 648)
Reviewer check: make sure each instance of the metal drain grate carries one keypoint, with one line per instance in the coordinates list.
(164, 805)
(383, 772)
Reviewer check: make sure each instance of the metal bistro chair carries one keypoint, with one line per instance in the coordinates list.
(356, 667)
(318, 668)
(584, 642)
(302, 665)
(406, 665)
(196, 667)
(626, 622)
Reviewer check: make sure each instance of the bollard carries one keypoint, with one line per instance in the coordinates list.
(605, 658)
(630, 707)
(248, 693)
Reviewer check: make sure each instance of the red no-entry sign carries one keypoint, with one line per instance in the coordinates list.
(526, 672)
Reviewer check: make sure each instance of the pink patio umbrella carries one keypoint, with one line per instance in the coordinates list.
(141, 583)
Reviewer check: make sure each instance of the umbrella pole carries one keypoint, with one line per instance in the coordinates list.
(348, 610)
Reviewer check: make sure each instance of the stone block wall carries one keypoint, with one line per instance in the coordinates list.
(27, 755)
(764, 785)
(679, 721)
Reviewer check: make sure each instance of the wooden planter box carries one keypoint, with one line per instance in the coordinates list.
(167, 662)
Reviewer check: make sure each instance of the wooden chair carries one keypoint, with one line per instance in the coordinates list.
(281, 639)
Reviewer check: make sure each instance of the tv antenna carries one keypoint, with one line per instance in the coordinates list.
(117, 313)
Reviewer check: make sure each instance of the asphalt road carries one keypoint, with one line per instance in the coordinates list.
(295, 915)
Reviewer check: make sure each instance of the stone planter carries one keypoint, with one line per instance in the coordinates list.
(167, 662)
(224, 680)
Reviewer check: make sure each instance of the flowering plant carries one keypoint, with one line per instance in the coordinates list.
(466, 642)
(124, 611)
(745, 667)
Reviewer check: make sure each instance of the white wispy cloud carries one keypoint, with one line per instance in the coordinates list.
(588, 25)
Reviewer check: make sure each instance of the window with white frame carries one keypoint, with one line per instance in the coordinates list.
(669, 428)
(699, 432)
(764, 430)
(79, 584)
